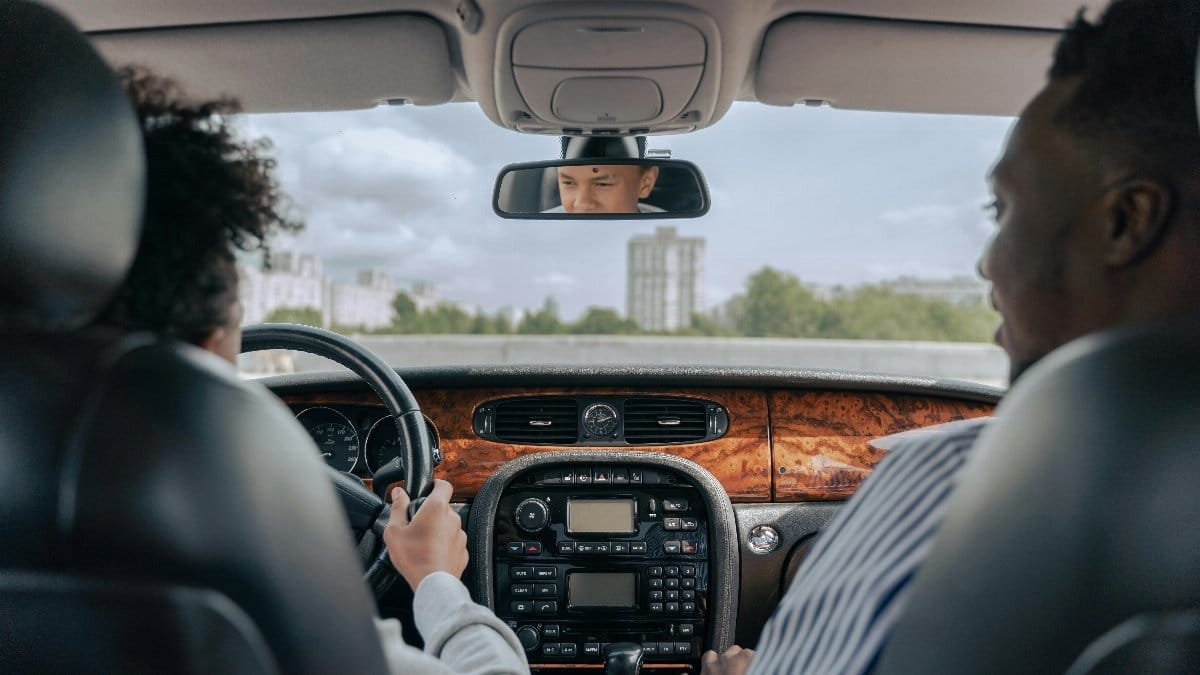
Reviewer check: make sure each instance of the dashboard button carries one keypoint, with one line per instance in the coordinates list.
(522, 590)
(683, 648)
(550, 630)
(636, 547)
(687, 571)
(685, 630)
(545, 606)
(650, 648)
(635, 476)
(656, 607)
(687, 583)
(672, 607)
(601, 476)
(654, 571)
(551, 649)
(672, 583)
(603, 548)
(583, 477)
(521, 573)
(666, 648)
(569, 649)
(671, 571)
(545, 573)
(687, 595)
(690, 524)
(532, 514)
(533, 548)
(620, 476)
(688, 546)
(671, 547)
(585, 548)
(674, 504)
(656, 595)
(591, 649)
(687, 607)
(566, 547)
(514, 547)
(620, 548)
(656, 583)
(521, 607)
(672, 595)
(672, 524)
(568, 477)
(545, 590)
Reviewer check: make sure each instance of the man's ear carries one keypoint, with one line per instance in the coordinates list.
(212, 341)
(1137, 213)
(647, 181)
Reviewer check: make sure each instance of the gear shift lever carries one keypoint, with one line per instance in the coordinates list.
(623, 658)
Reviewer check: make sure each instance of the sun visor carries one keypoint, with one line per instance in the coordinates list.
(870, 64)
(321, 64)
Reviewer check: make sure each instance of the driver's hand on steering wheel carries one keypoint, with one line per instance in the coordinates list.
(735, 661)
(433, 542)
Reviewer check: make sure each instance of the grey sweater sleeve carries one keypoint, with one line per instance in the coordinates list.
(461, 637)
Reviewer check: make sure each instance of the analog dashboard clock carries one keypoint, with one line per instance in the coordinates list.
(600, 419)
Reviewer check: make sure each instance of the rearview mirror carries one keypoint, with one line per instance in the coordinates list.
(604, 188)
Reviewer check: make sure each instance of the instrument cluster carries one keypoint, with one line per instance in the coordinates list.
(356, 440)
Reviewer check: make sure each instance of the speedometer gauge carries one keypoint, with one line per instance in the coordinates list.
(334, 435)
(383, 442)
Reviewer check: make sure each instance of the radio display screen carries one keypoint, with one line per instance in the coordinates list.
(601, 516)
(601, 589)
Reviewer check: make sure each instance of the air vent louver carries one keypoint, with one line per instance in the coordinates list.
(538, 420)
(664, 420)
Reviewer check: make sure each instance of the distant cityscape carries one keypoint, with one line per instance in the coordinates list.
(664, 288)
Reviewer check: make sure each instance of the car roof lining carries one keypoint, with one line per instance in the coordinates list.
(754, 66)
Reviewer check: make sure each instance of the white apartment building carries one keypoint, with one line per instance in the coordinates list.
(294, 280)
(664, 279)
(366, 304)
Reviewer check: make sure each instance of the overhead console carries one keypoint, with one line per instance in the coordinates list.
(640, 72)
(582, 550)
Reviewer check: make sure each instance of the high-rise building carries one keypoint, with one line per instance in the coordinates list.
(294, 281)
(664, 279)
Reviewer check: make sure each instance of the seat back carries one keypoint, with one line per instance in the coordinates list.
(1079, 511)
(156, 512)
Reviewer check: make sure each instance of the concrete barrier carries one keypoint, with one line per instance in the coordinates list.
(968, 361)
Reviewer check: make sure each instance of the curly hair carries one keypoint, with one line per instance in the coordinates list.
(1136, 97)
(207, 194)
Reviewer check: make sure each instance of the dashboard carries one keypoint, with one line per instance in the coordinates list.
(669, 508)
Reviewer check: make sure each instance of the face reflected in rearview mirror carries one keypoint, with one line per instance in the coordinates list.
(601, 188)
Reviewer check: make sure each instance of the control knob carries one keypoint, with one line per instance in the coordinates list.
(532, 514)
(528, 635)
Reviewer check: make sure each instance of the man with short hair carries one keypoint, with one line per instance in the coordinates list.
(1097, 203)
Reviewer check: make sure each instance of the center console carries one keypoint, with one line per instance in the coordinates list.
(588, 549)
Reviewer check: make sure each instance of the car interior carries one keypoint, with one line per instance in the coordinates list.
(159, 513)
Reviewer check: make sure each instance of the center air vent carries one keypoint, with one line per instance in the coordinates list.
(537, 420)
(664, 420)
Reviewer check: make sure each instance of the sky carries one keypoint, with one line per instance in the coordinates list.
(832, 196)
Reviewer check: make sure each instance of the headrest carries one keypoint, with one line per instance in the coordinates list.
(72, 174)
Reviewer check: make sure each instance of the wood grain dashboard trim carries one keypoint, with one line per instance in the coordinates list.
(740, 460)
(782, 445)
(821, 440)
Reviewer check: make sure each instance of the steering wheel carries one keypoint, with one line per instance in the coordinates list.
(368, 512)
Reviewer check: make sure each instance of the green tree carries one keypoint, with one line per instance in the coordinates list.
(405, 318)
(603, 321)
(445, 318)
(307, 316)
(545, 321)
(776, 304)
(501, 324)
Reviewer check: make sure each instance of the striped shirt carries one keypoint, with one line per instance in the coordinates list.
(850, 590)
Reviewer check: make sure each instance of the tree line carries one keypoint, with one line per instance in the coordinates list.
(775, 304)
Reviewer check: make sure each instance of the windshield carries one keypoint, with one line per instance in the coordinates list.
(836, 239)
